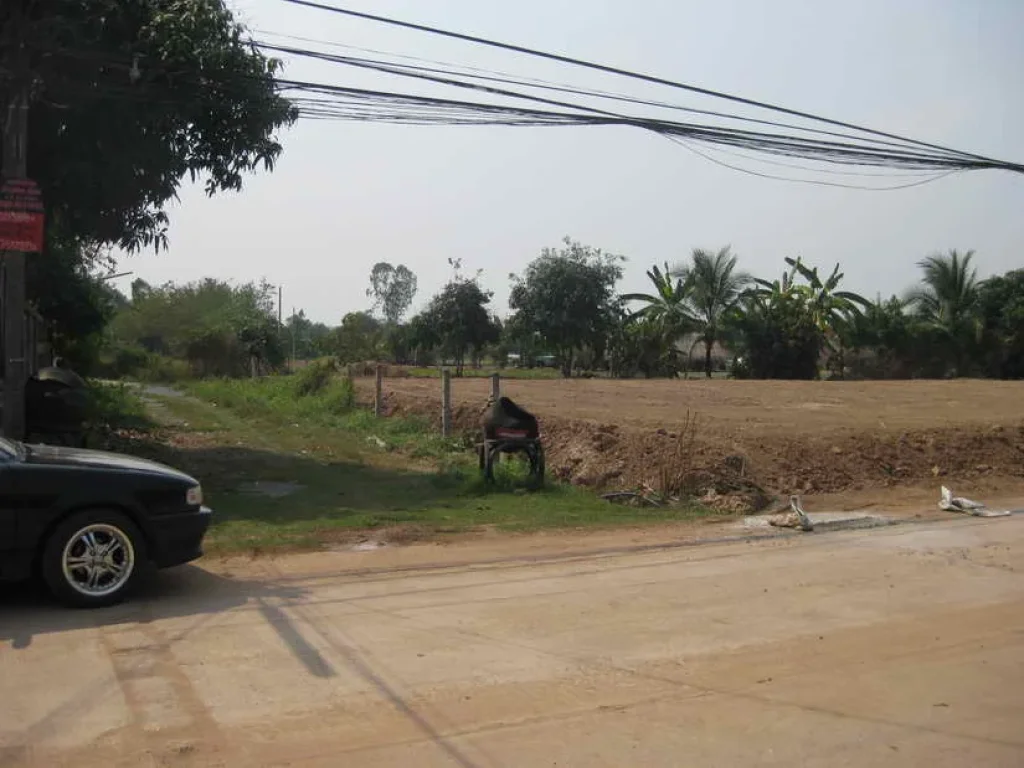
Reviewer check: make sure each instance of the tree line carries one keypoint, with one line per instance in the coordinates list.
(701, 315)
(117, 96)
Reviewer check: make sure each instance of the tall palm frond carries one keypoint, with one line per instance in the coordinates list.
(948, 301)
(716, 287)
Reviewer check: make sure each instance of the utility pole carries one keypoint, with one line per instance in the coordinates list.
(294, 329)
(280, 293)
(15, 167)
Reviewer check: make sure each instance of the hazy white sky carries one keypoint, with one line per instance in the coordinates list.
(346, 195)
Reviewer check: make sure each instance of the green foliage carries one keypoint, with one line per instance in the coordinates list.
(218, 328)
(392, 289)
(783, 327)
(1000, 306)
(134, 362)
(129, 98)
(354, 472)
(456, 322)
(669, 306)
(715, 288)
(359, 338)
(115, 406)
(567, 298)
(75, 305)
(315, 377)
(889, 342)
(136, 95)
(639, 344)
(778, 336)
(307, 340)
(276, 397)
(339, 396)
(947, 303)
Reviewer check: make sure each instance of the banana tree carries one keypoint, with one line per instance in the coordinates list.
(668, 306)
(833, 311)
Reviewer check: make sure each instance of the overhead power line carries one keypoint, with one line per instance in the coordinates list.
(352, 103)
(640, 76)
(444, 68)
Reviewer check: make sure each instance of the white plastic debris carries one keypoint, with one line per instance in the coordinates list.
(795, 518)
(950, 503)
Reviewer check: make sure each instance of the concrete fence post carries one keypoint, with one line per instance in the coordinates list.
(446, 403)
(378, 392)
(495, 386)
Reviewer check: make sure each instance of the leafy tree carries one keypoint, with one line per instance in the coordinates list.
(456, 321)
(883, 336)
(359, 338)
(567, 298)
(423, 338)
(220, 329)
(777, 329)
(948, 302)
(1000, 306)
(134, 95)
(307, 339)
(74, 303)
(392, 289)
(715, 288)
(128, 98)
(519, 336)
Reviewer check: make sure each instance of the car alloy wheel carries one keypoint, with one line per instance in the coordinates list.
(98, 560)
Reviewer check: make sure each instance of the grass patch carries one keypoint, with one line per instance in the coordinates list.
(284, 471)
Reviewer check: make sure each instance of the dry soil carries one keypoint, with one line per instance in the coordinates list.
(889, 647)
(787, 437)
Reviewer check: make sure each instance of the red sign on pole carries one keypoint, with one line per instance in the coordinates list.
(21, 216)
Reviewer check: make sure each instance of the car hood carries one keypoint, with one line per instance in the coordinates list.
(80, 457)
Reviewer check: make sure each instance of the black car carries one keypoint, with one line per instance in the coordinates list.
(90, 523)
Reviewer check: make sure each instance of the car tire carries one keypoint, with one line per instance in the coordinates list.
(94, 558)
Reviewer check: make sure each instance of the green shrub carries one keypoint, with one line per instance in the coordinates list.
(340, 396)
(115, 406)
(315, 377)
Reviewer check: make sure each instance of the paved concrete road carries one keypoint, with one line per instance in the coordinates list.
(898, 646)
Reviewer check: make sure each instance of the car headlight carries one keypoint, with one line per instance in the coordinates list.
(194, 496)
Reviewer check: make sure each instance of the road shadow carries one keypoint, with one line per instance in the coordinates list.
(27, 611)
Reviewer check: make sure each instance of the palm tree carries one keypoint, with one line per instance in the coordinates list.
(716, 287)
(948, 300)
(668, 306)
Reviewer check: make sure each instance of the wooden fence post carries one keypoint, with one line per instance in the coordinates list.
(378, 392)
(446, 403)
(495, 386)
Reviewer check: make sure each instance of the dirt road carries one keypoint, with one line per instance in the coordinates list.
(897, 646)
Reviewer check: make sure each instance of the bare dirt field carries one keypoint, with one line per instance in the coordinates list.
(888, 647)
(785, 437)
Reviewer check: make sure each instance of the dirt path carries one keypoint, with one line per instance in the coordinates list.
(897, 646)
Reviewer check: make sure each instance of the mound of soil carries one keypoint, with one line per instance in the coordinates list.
(739, 470)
